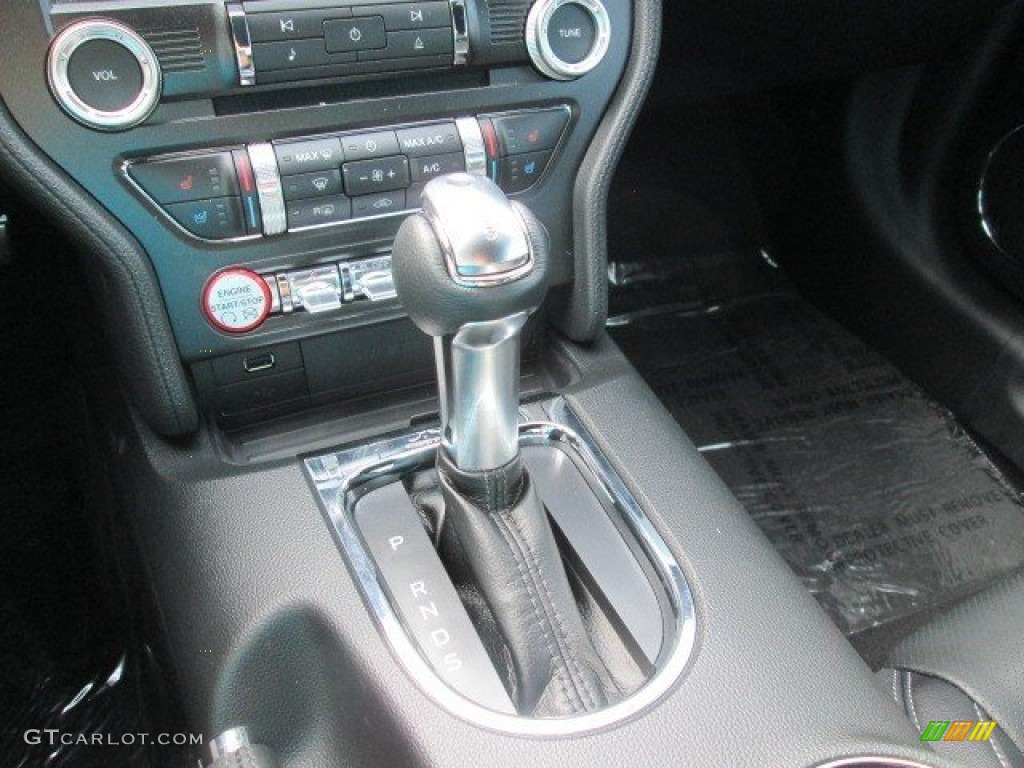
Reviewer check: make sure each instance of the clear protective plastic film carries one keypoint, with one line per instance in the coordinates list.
(877, 498)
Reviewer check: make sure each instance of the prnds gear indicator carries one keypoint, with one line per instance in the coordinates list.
(236, 300)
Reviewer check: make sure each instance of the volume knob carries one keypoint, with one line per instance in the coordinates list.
(104, 74)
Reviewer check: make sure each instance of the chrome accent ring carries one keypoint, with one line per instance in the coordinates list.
(268, 188)
(472, 145)
(873, 761)
(460, 35)
(539, 49)
(230, 742)
(73, 36)
(340, 479)
(242, 42)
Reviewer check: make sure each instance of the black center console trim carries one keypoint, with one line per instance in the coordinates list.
(136, 316)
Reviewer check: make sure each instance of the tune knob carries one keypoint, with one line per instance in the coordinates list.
(104, 74)
(567, 38)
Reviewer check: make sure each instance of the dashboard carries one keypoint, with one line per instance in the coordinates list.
(262, 155)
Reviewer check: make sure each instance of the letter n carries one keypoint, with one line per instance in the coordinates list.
(935, 730)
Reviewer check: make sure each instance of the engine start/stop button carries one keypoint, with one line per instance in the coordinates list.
(236, 300)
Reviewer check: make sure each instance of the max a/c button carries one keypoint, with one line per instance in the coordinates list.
(438, 139)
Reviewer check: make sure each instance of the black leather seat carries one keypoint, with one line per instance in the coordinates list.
(968, 665)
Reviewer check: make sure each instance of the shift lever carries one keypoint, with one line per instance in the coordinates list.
(469, 271)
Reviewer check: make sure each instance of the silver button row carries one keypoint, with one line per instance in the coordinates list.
(329, 286)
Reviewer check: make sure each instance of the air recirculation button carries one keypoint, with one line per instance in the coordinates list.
(104, 74)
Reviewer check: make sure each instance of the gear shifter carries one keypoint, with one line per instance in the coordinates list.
(469, 271)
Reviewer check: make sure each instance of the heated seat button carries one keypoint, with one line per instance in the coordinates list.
(316, 184)
(520, 172)
(438, 139)
(216, 219)
(426, 168)
(105, 75)
(380, 175)
(183, 179)
(529, 131)
(355, 34)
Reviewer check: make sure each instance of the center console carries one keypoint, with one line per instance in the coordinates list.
(399, 499)
(262, 154)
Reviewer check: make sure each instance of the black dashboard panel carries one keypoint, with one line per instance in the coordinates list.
(205, 109)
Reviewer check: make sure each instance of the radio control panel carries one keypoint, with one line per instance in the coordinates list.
(266, 189)
(109, 66)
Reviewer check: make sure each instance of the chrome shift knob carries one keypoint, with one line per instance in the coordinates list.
(469, 270)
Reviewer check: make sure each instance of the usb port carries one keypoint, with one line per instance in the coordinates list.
(257, 363)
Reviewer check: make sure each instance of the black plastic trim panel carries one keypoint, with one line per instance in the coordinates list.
(126, 288)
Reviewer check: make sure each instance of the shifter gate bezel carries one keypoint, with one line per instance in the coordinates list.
(342, 477)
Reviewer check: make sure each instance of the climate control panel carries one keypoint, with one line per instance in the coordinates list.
(265, 189)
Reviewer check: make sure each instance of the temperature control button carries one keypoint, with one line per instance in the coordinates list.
(236, 300)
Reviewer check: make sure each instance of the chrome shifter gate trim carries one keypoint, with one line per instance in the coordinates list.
(342, 477)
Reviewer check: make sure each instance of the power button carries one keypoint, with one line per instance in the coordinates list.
(236, 300)
(104, 74)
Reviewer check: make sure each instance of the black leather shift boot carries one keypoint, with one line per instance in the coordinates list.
(497, 530)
